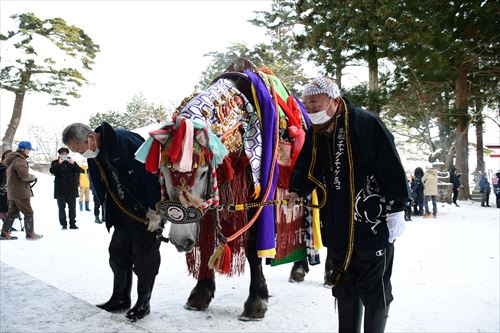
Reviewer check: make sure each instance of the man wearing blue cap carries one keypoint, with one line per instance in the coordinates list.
(19, 191)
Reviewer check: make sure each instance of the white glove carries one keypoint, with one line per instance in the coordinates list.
(154, 220)
(396, 225)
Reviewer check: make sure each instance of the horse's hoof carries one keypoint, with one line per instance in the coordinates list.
(328, 279)
(194, 308)
(246, 318)
(297, 275)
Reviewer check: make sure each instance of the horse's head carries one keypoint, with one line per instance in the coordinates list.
(189, 185)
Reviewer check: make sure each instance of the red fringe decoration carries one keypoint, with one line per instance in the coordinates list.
(289, 229)
(230, 192)
(284, 175)
(227, 173)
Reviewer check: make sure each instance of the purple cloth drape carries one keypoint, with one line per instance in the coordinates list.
(265, 226)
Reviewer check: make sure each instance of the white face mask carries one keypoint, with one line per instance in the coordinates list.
(320, 117)
(90, 153)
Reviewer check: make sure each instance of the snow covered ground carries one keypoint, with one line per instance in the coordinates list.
(445, 279)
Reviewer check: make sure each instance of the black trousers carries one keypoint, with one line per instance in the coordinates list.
(61, 203)
(368, 277)
(455, 195)
(132, 246)
(97, 207)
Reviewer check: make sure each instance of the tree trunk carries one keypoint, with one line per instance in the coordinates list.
(373, 79)
(445, 132)
(479, 134)
(462, 141)
(338, 74)
(14, 121)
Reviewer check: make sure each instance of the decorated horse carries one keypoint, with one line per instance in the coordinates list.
(225, 162)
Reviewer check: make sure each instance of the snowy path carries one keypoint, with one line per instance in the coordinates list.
(445, 279)
(29, 305)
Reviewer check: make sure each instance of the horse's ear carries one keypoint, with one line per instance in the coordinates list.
(242, 64)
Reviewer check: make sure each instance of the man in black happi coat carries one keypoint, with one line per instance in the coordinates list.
(350, 155)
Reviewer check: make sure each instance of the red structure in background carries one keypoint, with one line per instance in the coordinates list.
(496, 149)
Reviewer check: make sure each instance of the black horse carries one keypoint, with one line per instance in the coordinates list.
(201, 193)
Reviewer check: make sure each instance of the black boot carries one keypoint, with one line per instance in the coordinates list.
(375, 319)
(120, 299)
(87, 208)
(350, 316)
(141, 307)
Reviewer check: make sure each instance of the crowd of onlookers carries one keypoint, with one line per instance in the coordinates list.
(70, 182)
(424, 188)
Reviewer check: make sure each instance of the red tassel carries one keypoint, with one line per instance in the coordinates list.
(225, 267)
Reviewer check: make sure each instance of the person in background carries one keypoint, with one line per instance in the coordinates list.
(66, 172)
(417, 190)
(349, 153)
(496, 187)
(430, 191)
(84, 187)
(19, 191)
(128, 194)
(97, 205)
(485, 190)
(455, 180)
(408, 205)
(4, 206)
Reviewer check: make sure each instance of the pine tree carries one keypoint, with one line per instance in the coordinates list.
(34, 70)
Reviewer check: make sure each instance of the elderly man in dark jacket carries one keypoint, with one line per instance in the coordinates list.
(350, 156)
(19, 191)
(66, 172)
(129, 195)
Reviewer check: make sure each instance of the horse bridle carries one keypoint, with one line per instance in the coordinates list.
(176, 213)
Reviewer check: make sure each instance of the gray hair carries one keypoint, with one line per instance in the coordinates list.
(76, 132)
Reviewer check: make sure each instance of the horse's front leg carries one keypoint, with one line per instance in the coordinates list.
(256, 304)
(202, 294)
